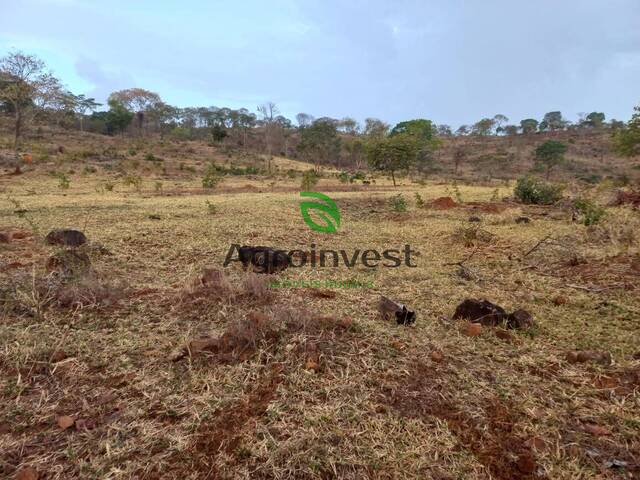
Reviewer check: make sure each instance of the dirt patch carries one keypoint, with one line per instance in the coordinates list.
(488, 429)
(488, 207)
(443, 203)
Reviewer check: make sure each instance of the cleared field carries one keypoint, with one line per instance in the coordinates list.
(322, 387)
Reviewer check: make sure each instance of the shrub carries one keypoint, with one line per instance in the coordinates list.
(63, 181)
(532, 190)
(211, 208)
(211, 177)
(134, 181)
(398, 203)
(419, 201)
(344, 177)
(157, 186)
(590, 211)
(309, 180)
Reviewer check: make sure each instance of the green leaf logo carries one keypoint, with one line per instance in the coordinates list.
(327, 211)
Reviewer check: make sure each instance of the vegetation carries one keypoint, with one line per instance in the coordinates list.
(534, 191)
(550, 154)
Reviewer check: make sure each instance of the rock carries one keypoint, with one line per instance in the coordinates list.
(603, 358)
(66, 237)
(523, 220)
(27, 473)
(471, 329)
(60, 148)
(312, 366)
(596, 430)
(389, 309)
(559, 300)
(519, 319)
(65, 421)
(58, 355)
(474, 218)
(5, 237)
(481, 311)
(437, 356)
(504, 335)
(154, 217)
(263, 259)
(491, 315)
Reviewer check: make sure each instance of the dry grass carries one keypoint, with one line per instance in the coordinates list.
(289, 384)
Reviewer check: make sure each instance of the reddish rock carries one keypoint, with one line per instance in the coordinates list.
(471, 329)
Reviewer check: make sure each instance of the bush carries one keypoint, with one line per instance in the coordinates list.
(419, 201)
(211, 177)
(398, 203)
(590, 212)
(532, 190)
(63, 181)
(134, 181)
(309, 180)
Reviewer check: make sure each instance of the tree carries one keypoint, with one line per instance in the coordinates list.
(304, 120)
(459, 155)
(499, 121)
(117, 119)
(269, 111)
(393, 153)
(626, 139)
(421, 129)
(552, 121)
(484, 127)
(320, 141)
(218, 133)
(529, 125)
(138, 101)
(550, 154)
(375, 128)
(24, 86)
(510, 130)
(594, 120)
(462, 130)
(82, 105)
(444, 130)
(349, 126)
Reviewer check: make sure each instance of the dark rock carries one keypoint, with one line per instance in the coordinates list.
(603, 358)
(66, 237)
(491, 315)
(390, 309)
(523, 220)
(5, 237)
(480, 311)
(475, 218)
(519, 319)
(263, 259)
(154, 217)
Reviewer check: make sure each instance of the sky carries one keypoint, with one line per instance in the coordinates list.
(453, 61)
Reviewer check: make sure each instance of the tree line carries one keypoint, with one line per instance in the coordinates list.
(29, 92)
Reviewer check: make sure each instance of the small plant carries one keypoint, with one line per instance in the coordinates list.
(456, 192)
(495, 196)
(109, 186)
(591, 213)
(309, 180)
(63, 181)
(157, 187)
(134, 181)
(398, 203)
(90, 169)
(419, 201)
(344, 177)
(211, 208)
(211, 177)
(531, 190)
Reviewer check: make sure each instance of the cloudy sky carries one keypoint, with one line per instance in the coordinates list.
(452, 61)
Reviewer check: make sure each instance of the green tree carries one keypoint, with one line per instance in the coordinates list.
(25, 86)
(529, 125)
(595, 120)
(484, 127)
(117, 119)
(319, 142)
(393, 153)
(553, 121)
(420, 129)
(549, 154)
(626, 139)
